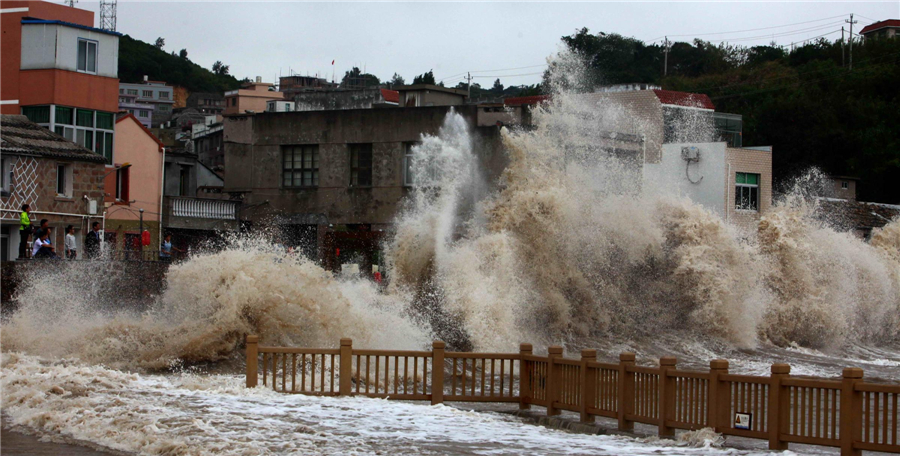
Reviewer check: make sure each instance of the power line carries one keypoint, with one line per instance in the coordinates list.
(868, 18)
(756, 29)
(485, 71)
(780, 34)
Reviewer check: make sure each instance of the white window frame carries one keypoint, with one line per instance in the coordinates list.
(78, 63)
(145, 92)
(163, 95)
(6, 174)
(750, 188)
(66, 178)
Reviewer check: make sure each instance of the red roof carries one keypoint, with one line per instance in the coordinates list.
(390, 96)
(878, 25)
(519, 101)
(150, 133)
(693, 100)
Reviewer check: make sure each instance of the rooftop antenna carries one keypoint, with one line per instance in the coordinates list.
(107, 14)
(71, 3)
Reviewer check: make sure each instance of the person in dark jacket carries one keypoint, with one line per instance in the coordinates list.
(92, 241)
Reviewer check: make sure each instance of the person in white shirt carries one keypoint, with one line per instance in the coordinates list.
(42, 247)
(71, 243)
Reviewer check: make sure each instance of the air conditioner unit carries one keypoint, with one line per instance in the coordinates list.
(92, 207)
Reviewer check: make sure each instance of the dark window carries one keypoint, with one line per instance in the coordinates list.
(184, 181)
(746, 191)
(105, 120)
(63, 115)
(360, 165)
(37, 114)
(300, 166)
(122, 184)
(845, 184)
(61, 186)
(84, 118)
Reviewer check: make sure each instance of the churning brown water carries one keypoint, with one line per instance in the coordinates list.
(575, 251)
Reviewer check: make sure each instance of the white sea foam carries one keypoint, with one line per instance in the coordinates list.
(216, 414)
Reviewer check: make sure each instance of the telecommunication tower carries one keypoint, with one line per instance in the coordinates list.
(108, 15)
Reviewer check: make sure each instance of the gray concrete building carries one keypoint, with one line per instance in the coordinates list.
(331, 182)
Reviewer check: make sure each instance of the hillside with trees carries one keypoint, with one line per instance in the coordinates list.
(806, 102)
(137, 58)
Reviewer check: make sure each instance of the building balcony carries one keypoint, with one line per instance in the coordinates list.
(183, 212)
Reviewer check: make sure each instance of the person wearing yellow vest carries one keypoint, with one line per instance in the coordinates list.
(25, 230)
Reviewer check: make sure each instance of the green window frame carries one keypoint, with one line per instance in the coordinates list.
(104, 120)
(84, 118)
(64, 115)
(37, 114)
(746, 191)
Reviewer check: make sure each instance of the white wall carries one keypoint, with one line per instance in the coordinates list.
(56, 46)
(668, 176)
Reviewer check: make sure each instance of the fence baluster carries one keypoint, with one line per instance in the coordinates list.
(346, 366)
(552, 388)
(779, 406)
(437, 372)
(252, 352)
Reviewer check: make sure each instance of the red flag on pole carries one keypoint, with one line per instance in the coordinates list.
(332, 62)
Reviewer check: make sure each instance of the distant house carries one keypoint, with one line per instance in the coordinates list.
(416, 95)
(252, 97)
(60, 180)
(327, 100)
(206, 102)
(143, 112)
(154, 93)
(138, 187)
(884, 29)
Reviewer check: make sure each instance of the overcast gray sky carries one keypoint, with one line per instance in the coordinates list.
(265, 38)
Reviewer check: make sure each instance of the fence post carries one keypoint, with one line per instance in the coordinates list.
(437, 372)
(666, 396)
(851, 411)
(719, 396)
(524, 376)
(588, 385)
(252, 352)
(625, 400)
(551, 384)
(779, 407)
(346, 366)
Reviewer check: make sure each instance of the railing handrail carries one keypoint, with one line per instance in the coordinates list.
(837, 412)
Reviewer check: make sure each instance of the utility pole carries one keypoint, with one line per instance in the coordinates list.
(141, 236)
(666, 59)
(851, 22)
(469, 85)
(843, 63)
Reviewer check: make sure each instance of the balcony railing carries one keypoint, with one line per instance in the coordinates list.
(204, 208)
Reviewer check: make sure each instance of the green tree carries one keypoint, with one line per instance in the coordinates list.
(425, 78)
(397, 80)
(160, 43)
(497, 86)
(183, 53)
(355, 78)
(220, 68)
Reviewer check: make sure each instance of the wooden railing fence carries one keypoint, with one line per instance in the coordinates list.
(847, 413)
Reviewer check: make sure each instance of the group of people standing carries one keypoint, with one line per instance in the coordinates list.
(42, 245)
